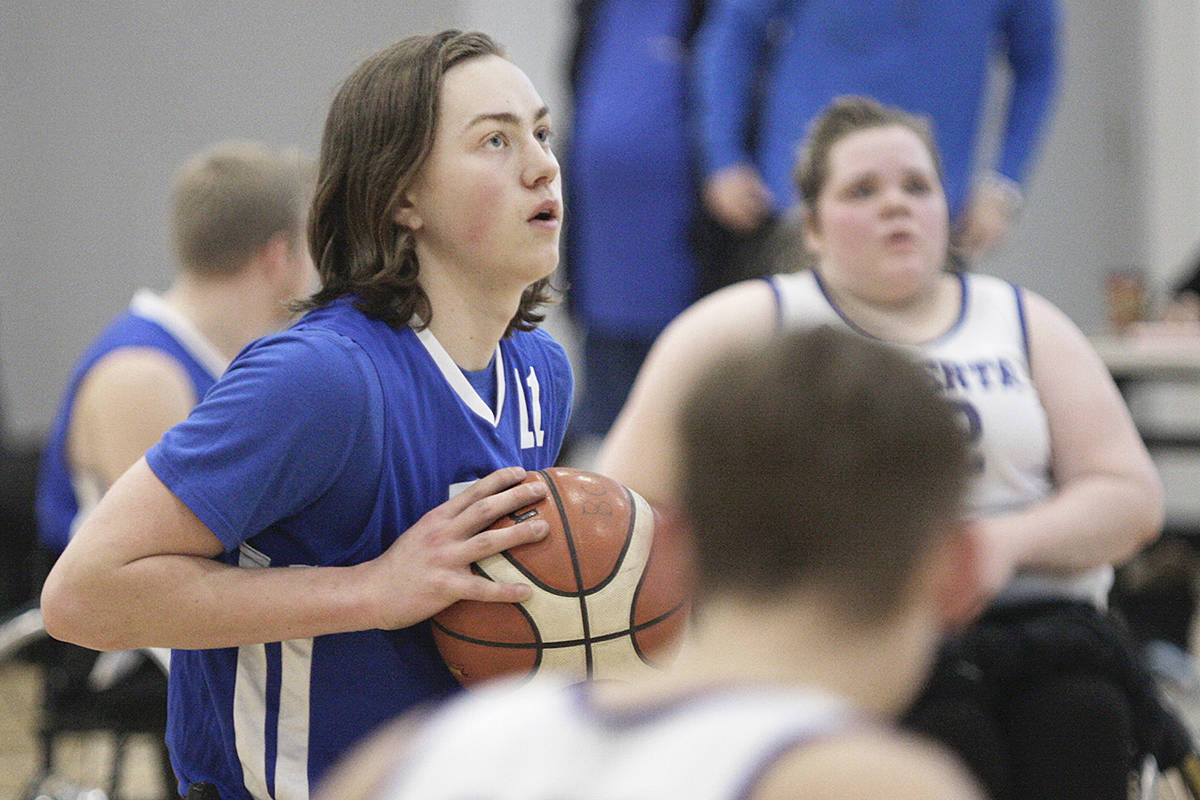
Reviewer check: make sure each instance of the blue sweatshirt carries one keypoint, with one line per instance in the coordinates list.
(926, 56)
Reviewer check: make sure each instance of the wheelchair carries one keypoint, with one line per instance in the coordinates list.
(95, 713)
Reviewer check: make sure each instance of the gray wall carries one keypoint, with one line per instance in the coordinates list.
(1082, 215)
(99, 101)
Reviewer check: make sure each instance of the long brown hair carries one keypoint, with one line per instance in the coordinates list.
(378, 134)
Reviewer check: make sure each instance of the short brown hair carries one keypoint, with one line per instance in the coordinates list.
(821, 459)
(378, 134)
(844, 116)
(230, 199)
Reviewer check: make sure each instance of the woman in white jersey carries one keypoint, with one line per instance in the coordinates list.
(1063, 487)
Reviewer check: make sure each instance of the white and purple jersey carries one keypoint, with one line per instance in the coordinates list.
(981, 363)
(544, 740)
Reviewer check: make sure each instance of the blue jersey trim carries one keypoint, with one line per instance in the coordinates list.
(1019, 296)
(964, 301)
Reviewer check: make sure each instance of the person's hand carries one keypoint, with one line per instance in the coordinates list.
(737, 197)
(428, 567)
(989, 216)
(997, 561)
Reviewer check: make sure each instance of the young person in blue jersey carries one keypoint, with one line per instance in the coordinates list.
(931, 57)
(237, 230)
(1040, 695)
(291, 538)
(800, 649)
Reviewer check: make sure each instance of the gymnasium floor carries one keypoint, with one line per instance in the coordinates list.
(86, 755)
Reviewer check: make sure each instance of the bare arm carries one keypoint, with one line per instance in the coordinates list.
(128, 400)
(640, 450)
(1108, 502)
(140, 573)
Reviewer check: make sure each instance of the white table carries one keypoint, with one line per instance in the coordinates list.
(1160, 379)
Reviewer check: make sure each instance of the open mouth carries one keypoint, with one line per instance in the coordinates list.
(547, 211)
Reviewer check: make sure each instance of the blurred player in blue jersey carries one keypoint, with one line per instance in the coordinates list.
(291, 538)
(237, 228)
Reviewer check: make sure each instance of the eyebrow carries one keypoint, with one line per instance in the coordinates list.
(506, 117)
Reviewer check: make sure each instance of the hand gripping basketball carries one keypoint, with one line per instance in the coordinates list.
(611, 588)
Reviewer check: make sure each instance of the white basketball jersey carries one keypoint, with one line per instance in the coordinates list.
(544, 740)
(982, 364)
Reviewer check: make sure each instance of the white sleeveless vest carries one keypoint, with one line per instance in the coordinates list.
(547, 741)
(982, 364)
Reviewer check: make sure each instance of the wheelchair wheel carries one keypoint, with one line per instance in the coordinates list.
(78, 742)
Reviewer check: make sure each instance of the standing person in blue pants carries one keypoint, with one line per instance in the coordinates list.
(929, 57)
(292, 537)
(633, 191)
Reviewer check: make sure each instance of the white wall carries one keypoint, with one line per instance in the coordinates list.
(1171, 89)
(1084, 212)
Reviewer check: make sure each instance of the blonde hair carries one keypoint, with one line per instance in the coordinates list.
(228, 200)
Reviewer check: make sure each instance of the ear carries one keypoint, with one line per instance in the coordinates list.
(957, 582)
(404, 213)
(275, 256)
(811, 231)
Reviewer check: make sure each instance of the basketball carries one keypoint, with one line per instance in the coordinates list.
(610, 583)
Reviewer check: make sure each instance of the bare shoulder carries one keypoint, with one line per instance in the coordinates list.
(742, 312)
(128, 399)
(874, 763)
(141, 373)
(1050, 328)
(1063, 362)
(639, 450)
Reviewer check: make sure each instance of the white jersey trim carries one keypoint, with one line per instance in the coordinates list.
(291, 762)
(250, 701)
(151, 306)
(459, 383)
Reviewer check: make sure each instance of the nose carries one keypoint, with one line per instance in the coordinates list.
(896, 200)
(541, 165)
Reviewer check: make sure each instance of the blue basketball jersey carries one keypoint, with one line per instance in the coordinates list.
(148, 322)
(320, 446)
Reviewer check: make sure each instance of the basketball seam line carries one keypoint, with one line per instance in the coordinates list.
(558, 644)
(562, 514)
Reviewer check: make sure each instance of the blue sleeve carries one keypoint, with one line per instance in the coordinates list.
(1030, 37)
(564, 394)
(288, 418)
(726, 57)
